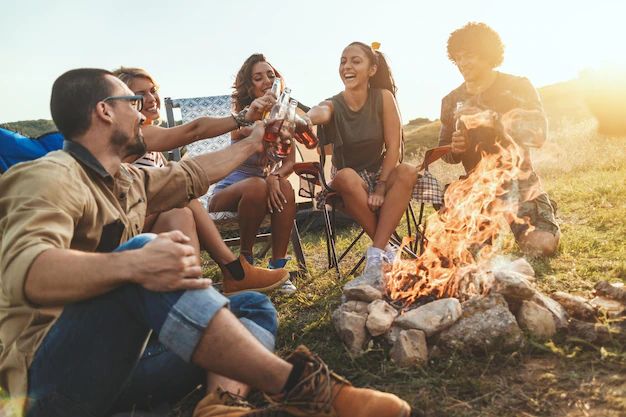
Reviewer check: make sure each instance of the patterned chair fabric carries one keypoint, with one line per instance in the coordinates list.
(213, 106)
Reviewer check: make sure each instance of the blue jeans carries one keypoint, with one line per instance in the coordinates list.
(98, 358)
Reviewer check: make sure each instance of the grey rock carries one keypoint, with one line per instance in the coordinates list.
(522, 266)
(351, 330)
(380, 318)
(536, 320)
(432, 317)
(575, 305)
(486, 325)
(611, 308)
(354, 306)
(560, 315)
(513, 285)
(613, 290)
(392, 334)
(595, 333)
(362, 293)
(410, 348)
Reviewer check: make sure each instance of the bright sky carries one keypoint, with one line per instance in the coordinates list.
(194, 48)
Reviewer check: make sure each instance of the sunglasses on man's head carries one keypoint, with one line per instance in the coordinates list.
(135, 101)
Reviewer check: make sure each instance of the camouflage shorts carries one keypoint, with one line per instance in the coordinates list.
(540, 213)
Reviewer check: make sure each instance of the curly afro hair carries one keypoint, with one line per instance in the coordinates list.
(477, 38)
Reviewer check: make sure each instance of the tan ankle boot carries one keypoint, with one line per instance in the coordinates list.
(322, 392)
(224, 404)
(255, 279)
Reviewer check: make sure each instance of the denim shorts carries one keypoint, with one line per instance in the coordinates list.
(231, 179)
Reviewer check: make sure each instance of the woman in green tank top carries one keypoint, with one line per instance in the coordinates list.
(363, 124)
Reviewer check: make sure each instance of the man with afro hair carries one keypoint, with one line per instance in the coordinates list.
(476, 49)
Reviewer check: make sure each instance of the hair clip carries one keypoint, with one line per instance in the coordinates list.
(375, 46)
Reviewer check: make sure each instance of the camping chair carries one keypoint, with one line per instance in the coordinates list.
(313, 178)
(219, 106)
(16, 148)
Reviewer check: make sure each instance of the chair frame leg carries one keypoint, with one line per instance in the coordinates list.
(296, 243)
(330, 242)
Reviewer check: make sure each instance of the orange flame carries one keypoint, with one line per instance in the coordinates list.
(461, 239)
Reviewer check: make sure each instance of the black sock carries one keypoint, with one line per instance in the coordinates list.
(294, 375)
(235, 269)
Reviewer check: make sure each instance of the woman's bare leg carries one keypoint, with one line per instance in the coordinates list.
(248, 198)
(178, 219)
(354, 194)
(208, 235)
(282, 221)
(397, 196)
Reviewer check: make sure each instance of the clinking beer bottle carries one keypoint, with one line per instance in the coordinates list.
(276, 90)
(304, 134)
(285, 139)
(275, 121)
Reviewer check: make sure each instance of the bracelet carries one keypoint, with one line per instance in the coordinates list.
(240, 118)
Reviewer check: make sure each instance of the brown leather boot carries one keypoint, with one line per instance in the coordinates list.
(322, 392)
(224, 404)
(254, 279)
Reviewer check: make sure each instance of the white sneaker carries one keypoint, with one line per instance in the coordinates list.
(391, 251)
(287, 288)
(373, 272)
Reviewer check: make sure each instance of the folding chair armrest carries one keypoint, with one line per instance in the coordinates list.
(311, 172)
(308, 171)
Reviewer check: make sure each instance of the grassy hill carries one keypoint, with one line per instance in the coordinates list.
(31, 128)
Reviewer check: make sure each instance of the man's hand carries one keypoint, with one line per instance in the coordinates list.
(256, 132)
(260, 105)
(459, 143)
(169, 263)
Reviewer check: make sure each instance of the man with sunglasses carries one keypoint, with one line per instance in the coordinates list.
(81, 289)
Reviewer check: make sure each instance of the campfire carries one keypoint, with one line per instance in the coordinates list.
(460, 293)
(468, 231)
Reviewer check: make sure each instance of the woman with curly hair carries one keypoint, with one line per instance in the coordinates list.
(255, 188)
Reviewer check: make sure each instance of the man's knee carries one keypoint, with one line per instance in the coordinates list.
(255, 307)
(540, 243)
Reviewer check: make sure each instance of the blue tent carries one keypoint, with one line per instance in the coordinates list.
(16, 148)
